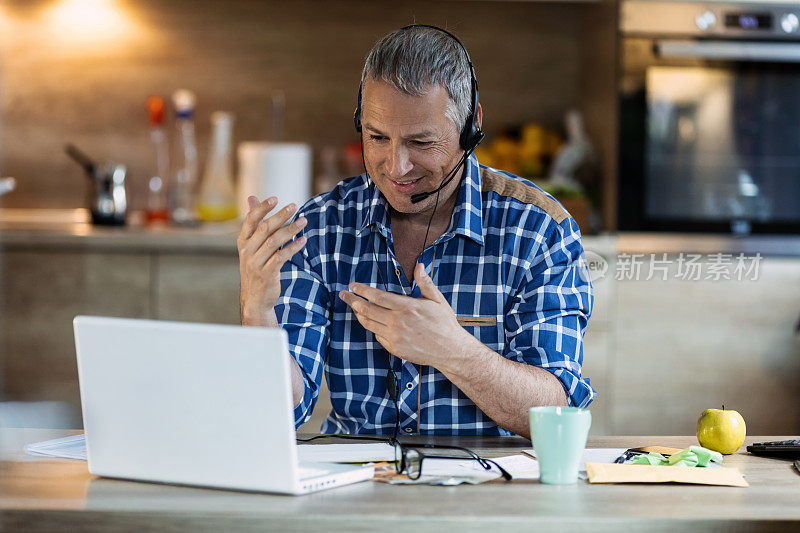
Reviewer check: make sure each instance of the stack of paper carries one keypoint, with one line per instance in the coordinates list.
(346, 453)
(73, 447)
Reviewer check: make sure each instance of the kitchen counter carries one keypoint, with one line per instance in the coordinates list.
(676, 243)
(70, 228)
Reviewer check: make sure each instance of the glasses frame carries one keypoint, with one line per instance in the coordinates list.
(402, 463)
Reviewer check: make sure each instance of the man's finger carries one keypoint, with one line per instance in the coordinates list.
(284, 254)
(266, 228)
(366, 308)
(375, 327)
(256, 214)
(385, 343)
(379, 297)
(426, 285)
(280, 237)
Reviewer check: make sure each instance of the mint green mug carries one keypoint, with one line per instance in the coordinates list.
(559, 437)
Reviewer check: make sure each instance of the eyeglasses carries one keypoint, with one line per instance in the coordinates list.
(409, 460)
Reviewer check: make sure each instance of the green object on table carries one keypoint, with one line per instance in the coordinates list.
(652, 459)
(705, 456)
(683, 458)
(691, 456)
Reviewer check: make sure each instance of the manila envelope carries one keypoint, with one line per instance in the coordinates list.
(618, 473)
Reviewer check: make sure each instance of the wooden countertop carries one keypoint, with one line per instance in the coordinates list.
(70, 229)
(53, 495)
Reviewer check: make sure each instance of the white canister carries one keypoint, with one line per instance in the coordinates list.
(274, 169)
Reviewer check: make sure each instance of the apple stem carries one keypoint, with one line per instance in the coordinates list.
(723, 406)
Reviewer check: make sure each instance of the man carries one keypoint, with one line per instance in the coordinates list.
(451, 314)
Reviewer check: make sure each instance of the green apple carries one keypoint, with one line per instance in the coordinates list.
(720, 430)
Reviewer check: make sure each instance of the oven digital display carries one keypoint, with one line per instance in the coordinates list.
(748, 21)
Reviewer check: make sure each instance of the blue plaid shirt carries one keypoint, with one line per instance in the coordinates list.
(512, 271)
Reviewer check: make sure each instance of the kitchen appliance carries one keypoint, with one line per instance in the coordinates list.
(106, 198)
(709, 137)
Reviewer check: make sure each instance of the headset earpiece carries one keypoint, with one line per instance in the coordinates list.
(357, 114)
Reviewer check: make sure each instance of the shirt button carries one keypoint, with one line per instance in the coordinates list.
(409, 385)
(397, 271)
(409, 429)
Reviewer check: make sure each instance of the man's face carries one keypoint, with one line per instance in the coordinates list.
(409, 139)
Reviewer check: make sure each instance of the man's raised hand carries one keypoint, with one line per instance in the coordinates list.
(261, 258)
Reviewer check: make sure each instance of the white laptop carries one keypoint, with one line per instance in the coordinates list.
(194, 404)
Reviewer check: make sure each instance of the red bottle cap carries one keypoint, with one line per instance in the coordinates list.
(155, 106)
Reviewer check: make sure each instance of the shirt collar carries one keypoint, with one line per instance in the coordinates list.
(467, 217)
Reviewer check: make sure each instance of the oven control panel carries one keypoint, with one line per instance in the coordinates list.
(734, 20)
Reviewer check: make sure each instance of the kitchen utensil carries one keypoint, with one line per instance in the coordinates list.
(107, 197)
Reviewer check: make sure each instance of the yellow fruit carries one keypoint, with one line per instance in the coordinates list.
(720, 430)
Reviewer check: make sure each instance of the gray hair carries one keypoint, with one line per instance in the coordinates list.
(413, 59)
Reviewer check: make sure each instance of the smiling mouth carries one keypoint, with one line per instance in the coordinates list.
(407, 182)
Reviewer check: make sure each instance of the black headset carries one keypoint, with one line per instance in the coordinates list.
(471, 133)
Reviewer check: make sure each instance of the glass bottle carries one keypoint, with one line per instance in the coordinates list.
(156, 211)
(182, 199)
(217, 199)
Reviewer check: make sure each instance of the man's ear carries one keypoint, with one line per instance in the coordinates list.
(479, 115)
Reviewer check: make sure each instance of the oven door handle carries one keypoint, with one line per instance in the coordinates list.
(729, 50)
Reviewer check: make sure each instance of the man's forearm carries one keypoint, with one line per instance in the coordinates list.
(501, 388)
(270, 320)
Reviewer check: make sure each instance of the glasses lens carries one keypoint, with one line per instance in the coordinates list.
(413, 464)
(398, 458)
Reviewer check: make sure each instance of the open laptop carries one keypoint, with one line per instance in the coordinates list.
(194, 404)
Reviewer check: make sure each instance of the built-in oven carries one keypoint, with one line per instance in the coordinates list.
(709, 129)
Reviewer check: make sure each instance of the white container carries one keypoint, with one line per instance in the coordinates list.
(274, 169)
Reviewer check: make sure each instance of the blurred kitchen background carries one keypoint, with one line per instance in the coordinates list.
(670, 130)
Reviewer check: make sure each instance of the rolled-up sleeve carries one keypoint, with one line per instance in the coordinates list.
(303, 312)
(547, 316)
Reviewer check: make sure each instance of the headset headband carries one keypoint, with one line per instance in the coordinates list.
(471, 134)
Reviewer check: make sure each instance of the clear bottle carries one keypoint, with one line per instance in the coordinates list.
(182, 198)
(217, 199)
(156, 211)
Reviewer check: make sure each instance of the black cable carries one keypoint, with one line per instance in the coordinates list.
(391, 377)
(348, 436)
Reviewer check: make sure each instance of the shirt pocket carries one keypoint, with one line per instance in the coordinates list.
(484, 328)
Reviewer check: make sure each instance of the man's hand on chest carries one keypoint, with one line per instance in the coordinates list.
(423, 330)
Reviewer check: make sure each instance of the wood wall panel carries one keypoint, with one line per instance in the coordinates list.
(233, 54)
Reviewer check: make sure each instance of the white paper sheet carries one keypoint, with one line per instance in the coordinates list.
(519, 466)
(457, 471)
(592, 455)
(345, 453)
(73, 447)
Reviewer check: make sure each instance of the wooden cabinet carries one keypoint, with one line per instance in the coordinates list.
(683, 346)
(42, 291)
